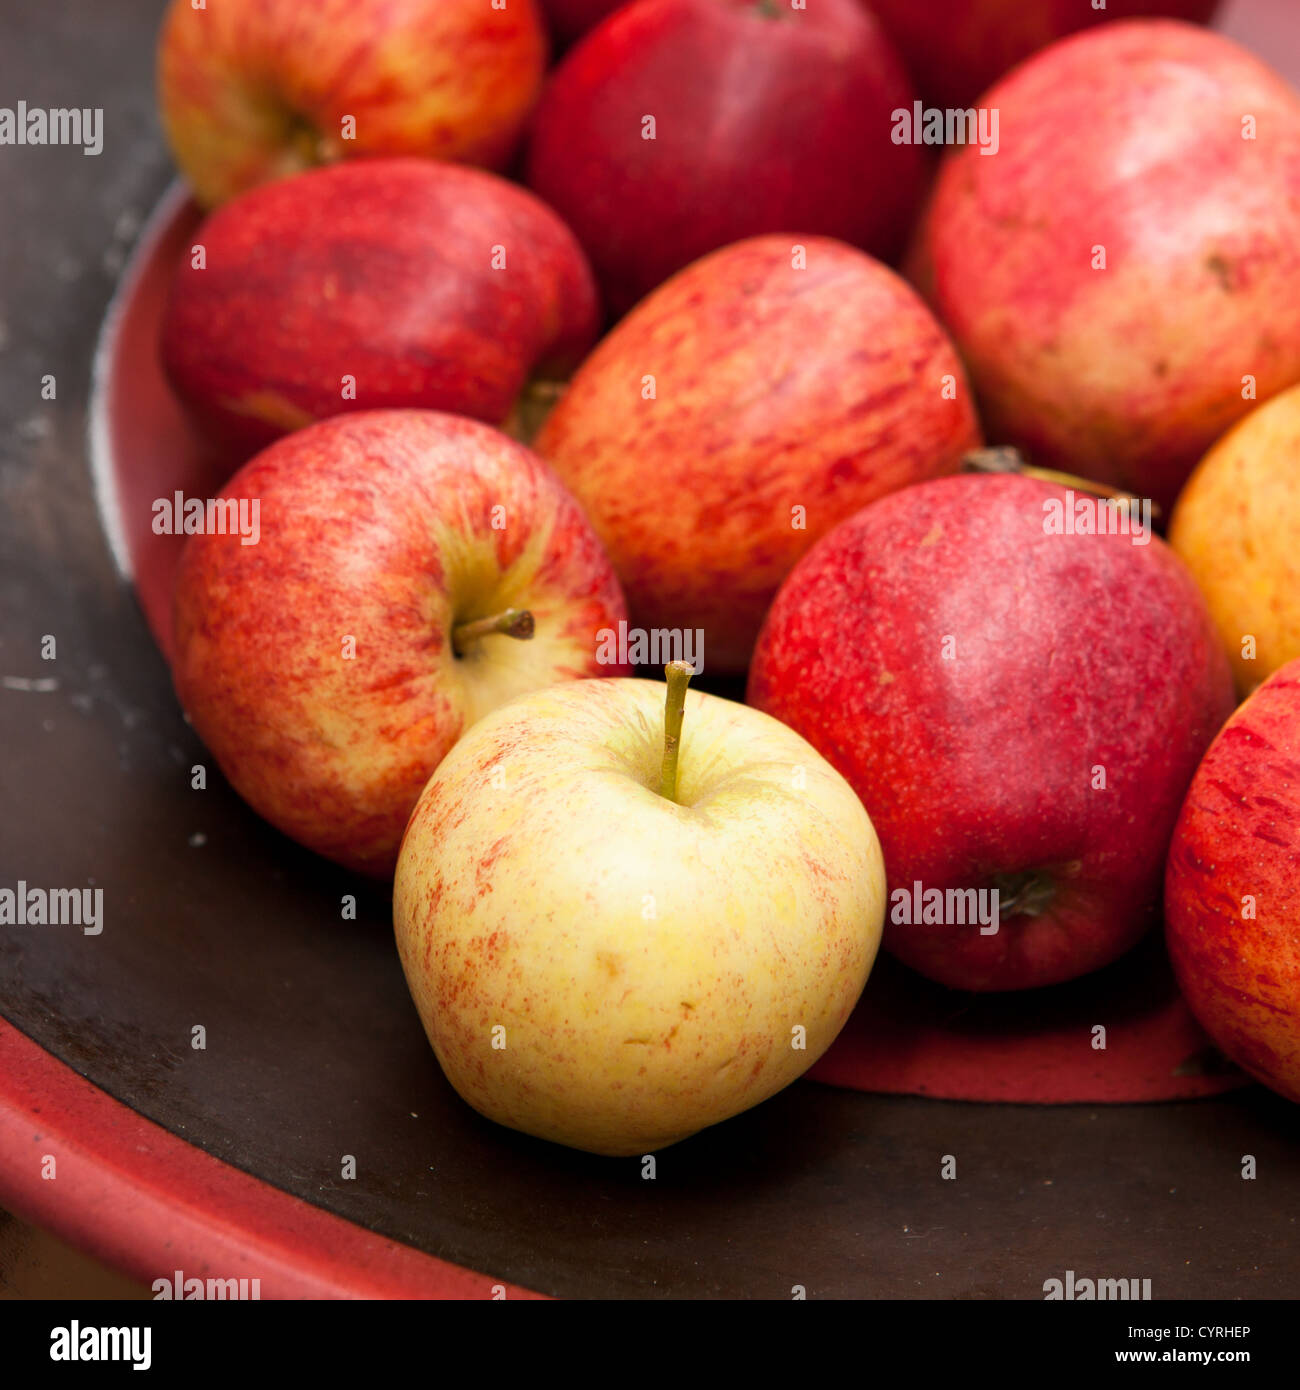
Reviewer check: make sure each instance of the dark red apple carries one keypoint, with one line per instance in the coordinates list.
(379, 283)
(1020, 708)
(955, 49)
(1232, 892)
(1123, 277)
(679, 126)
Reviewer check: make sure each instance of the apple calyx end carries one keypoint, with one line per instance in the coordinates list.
(1026, 894)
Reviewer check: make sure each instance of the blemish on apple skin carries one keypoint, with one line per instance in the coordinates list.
(483, 872)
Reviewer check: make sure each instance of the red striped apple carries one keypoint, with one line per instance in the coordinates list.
(394, 282)
(742, 410)
(252, 90)
(621, 922)
(1232, 892)
(1019, 697)
(330, 665)
(679, 126)
(1123, 277)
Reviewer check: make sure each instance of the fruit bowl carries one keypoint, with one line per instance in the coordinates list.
(312, 1142)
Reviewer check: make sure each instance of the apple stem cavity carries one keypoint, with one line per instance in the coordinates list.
(514, 622)
(1003, 458)
(678, 675)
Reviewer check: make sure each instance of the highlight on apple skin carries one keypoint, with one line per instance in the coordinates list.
(254, 90)
(380, 284)
(605, 966)
(330, 666)
(1020, 708)
(742, 410)
(1232, 888)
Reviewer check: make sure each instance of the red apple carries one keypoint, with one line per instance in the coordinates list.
(391, 282)
(739, 412)
(331, 663)
(1020, 709)
(955, 49)
(1123, 277)
(765, 119)
(1232, 891)
(251, 90)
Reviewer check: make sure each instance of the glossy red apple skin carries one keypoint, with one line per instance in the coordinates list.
(379, 527)
(776, 388)
(254, 90)
(1129, 138)
(763, 124)
(956, 49)
(1071, 652)
(381, 271)
(1238, 837)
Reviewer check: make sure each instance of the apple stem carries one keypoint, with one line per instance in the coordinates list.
(678, 675)
(1003, 458)
(514, 622)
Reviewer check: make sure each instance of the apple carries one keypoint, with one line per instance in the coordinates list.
(252, 90)
(385, 283)
(1232, 891)
(742, 410)
(956, 49)
(679, 126)
(331, 663)
(1123, 277)
(1020, 704)
(1237, 527)
(619, 927)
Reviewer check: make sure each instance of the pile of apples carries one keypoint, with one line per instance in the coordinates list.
(667, 377)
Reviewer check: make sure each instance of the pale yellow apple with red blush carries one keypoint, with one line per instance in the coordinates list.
(601, 965)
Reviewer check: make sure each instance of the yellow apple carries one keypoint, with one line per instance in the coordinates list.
(1237, 527)
(613, 945)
